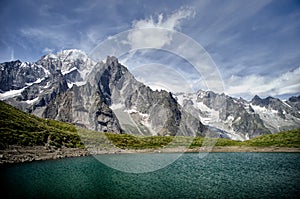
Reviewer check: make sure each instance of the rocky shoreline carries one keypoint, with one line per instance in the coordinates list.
(19, 154)
(216, 149)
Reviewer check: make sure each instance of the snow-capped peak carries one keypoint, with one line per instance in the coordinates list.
(73, 54)
(71, 60)
(68, 55)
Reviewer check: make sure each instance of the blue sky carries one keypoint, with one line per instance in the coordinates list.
(254, 44)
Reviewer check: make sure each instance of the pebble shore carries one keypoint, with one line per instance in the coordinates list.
(18, 154)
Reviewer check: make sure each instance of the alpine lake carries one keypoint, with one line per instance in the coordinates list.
(190, 175)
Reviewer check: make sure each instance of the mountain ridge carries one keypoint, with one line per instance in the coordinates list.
(105, 96)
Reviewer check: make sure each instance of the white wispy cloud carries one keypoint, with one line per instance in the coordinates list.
(139, 37)
(48, 50)
(12, 55)
(39, 34)
(171, 22)
(248, 86)
(52, 39)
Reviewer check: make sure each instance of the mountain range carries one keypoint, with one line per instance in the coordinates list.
(104, 96)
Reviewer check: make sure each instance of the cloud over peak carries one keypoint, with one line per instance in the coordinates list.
(141, 36)
(248, 86)
(171, 22)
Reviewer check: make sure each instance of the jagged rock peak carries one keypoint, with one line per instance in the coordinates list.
(264, 102)
(294, 99)
(111, 60)
(256, 99)
(115, 68)
(13, 62)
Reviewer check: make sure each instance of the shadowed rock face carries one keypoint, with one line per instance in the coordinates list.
(294, 102)
(291, 106)
(243, 120)
(14, 75)
(139, 110)
(105, 96)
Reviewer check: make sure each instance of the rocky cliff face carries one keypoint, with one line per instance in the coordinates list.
(84, 107)
(294, 102)
(16, 75)
(105, 96)
(30, 86)
(282, 108)
(277, 115)
(239, 118)
(139, 110)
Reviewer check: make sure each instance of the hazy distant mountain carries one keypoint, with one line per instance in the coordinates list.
(242, 119)
(105, 96)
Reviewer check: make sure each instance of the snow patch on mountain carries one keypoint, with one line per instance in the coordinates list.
(142, 118)
(68, 71)
(35, 82)
(24, 65)
(117, 106)
(264, 110)
(32, 101)
(285, 103)
(81, 83)
(11, 94)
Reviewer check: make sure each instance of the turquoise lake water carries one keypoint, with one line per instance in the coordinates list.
(217, 175)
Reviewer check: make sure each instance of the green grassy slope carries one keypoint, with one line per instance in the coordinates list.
(124, 141)
(283, 139)
(20, 128)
